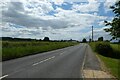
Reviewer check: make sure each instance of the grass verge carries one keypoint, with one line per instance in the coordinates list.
(112, 64)
(11, 50)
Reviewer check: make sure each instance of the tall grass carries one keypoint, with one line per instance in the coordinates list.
(11, 50)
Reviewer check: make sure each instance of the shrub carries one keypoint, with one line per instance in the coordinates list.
(104, 48)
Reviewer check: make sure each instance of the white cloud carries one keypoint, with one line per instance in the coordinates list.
(57, 2)
(109, 3)
(92, 6)
(98, 32)
(101, 23)
(36, 23)
(38, 8)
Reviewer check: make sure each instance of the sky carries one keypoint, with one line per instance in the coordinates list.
(56, 19)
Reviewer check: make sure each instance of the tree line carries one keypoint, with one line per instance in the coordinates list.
(29, 39)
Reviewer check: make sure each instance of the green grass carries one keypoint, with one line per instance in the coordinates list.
(111, 63)
(116, 48)
(11, 50)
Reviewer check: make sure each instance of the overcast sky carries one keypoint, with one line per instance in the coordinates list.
(56, 19)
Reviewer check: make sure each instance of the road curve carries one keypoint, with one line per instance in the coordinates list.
(61, 63)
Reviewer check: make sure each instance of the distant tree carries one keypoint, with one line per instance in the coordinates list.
(84, 40)
(115, 23)
(46, 39)
(40, 40)
(107, 41)
(70, 40)
(100, 39)
(90, 40)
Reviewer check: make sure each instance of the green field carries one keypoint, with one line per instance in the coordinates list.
(16, 49)
(116, 48)
(112, 64)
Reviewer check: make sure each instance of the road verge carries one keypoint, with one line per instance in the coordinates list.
(92, 66)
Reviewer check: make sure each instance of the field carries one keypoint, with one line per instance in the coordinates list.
(16, 49)
(112, 64)
(116, 48)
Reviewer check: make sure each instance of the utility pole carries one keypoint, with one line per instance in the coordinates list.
(92, 33)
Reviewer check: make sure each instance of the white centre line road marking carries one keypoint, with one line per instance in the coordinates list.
(3, 77)
(61, 53)
(43, 61)
(53, 57)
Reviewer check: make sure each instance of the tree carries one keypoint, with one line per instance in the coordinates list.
(84, 40)
(46, 39)
(100, 39)
(90, 40)
(115, 23)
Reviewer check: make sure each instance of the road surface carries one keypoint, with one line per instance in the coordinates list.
(61, 63)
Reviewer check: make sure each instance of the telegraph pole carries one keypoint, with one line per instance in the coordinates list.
(92, 33)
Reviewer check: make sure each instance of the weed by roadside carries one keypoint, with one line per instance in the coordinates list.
(11, 50)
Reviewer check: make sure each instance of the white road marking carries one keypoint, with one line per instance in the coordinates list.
(3, 77)
(35, 64)
(53, 57)
(61, 53)
(43, 61)
(49, 58)
(83, 64)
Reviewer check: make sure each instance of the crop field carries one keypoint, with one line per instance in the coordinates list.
(116, 47)
(16, 49)
(112, 64)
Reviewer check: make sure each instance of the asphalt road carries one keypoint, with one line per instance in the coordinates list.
(61, 63)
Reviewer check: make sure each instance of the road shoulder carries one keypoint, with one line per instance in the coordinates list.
(93, 66)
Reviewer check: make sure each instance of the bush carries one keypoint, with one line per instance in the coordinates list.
(104, 49)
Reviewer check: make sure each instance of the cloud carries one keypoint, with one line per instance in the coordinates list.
(33, 20)
(57, 2)
(17, 15)
(98, 32)
(38, 8)
(109, 3)
(91, 6)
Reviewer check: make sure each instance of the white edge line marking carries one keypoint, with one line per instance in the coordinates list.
(84, 63)
(43, 61)
(3, 77)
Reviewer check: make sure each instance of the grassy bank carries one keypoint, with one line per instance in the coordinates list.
(112, 64)
(11, 50)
